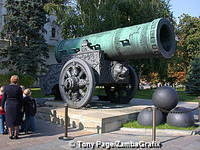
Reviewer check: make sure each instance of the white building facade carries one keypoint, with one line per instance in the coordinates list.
(52, 37)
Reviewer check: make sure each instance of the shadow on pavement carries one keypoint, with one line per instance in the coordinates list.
(43, 129)
(172, 139)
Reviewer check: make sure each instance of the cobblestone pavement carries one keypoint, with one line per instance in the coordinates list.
(47, 135)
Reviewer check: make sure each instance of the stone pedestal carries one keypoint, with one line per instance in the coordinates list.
(99, 117)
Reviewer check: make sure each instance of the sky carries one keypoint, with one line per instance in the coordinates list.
(191, 7)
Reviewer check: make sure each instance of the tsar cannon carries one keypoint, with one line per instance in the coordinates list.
(102, 60)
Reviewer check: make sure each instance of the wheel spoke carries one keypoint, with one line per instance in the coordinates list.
(82, 92)
(80, 73)
(74, 69)
(68, 73)
(83, 83)
(69, 92)
(65, 84)
(74, 96)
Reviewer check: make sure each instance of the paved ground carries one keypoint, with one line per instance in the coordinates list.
(46, 138)
(47, 135)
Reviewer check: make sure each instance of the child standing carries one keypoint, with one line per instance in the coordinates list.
(29, 110)
(2, 114)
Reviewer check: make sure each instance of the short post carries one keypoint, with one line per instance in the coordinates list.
(66, 137)
(66, 120)
(154, 124)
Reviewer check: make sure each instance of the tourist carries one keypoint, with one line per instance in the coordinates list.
(2, 114)
(13, 98)
(30, 111)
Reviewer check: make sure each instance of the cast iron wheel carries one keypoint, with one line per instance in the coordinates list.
(122, 94)
(76, 83)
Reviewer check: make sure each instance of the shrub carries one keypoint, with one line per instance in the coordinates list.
(193, 80)
(25, 80)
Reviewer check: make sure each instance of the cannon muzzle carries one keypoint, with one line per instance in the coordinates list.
(146, 40)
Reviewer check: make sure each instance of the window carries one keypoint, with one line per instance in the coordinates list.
(53, 32)
(5, 19)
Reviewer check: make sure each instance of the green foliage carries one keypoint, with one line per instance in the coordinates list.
(152, 65)
(193, 80)
(27, 50)
(135, 124)
(25, 80)
(188, 46)
(83, 17)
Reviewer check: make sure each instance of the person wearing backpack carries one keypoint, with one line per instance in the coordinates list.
(29, 111)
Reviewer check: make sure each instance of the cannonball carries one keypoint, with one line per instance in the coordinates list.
(145, 117)
(180, 117)
(165, 97)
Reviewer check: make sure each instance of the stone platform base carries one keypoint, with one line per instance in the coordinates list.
(100, 117)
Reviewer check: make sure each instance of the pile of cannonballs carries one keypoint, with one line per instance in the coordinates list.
(165, 100)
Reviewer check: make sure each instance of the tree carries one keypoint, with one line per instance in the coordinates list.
(83, 17)
(188, 46)
(27, 50)
(193, 80)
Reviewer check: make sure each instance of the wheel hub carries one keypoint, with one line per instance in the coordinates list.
(71, 83)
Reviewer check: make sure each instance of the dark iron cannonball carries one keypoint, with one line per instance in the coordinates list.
(165, 98)
(180, 117)
(145, 117)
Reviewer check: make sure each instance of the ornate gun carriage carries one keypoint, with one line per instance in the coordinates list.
(102, 60)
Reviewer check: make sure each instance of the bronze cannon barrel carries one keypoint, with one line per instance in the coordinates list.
(154, 38)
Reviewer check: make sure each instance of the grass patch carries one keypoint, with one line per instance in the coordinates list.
(143, 94)
(183, 96)
(37, 93)
(147, 94)
(99, 91)
(135, 124)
